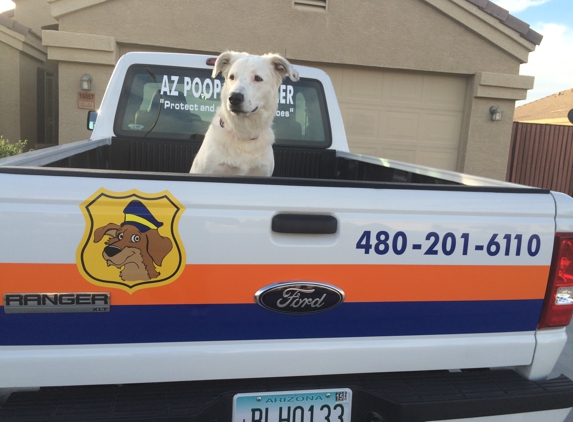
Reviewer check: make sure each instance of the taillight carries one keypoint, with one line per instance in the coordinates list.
(558, 305)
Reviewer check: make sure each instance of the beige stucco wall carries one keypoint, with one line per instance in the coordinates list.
(73, 119)
(404, 34)
(442, 36)
(34, 14)
(10, 89)
(22, 54)
(487, 149)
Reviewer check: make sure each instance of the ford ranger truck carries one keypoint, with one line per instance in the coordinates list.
(343, 288)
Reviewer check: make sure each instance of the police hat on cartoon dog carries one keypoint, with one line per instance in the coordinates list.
(139, 216)
(136, 244)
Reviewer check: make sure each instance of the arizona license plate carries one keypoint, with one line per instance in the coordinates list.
(294, 406)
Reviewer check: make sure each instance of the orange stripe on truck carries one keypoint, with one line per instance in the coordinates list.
(234, 284)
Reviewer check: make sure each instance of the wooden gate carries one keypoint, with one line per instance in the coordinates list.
(541, 156)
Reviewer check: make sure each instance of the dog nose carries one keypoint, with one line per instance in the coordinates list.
(111, 250)
(236, 98)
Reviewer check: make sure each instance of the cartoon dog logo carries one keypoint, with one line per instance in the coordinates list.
(135, 245)
(131, 240)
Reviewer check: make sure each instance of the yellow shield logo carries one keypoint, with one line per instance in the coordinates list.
(131, 240)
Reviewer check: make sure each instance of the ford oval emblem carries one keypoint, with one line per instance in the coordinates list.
(299, 297)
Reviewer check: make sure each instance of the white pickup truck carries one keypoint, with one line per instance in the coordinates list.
(344, 288)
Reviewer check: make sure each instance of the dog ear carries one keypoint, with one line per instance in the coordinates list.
(283, 67)
(158, 246)
(109, 230)
(224, 62)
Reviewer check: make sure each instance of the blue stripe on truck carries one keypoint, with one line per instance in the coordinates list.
(181, 323)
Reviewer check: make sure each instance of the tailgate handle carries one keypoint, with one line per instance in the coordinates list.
(304, 224)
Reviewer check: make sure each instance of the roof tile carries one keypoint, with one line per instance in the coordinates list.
(479, 3)
(496, 11)
(534, 37)
(13, 25)
(517, 24)
(509, 20)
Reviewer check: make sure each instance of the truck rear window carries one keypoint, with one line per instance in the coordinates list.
(179, 103)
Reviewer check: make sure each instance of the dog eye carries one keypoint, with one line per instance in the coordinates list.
(135, 238)
(258, 78)
(232, 77)
(120, 236)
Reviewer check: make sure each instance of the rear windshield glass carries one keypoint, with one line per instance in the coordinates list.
(179, 103)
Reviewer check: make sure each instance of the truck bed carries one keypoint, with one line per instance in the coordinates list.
(176, 156)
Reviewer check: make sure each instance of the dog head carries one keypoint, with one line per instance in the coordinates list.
(127, 244)
(252, 82)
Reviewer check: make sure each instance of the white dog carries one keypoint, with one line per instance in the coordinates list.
(239, 139)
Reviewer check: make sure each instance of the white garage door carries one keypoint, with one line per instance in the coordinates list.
(405, 116)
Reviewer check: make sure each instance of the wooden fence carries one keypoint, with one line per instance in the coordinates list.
(541, 156)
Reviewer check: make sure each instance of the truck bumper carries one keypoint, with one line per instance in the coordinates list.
(557, 415)
(395, 397)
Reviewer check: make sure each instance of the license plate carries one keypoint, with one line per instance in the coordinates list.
(294, 406)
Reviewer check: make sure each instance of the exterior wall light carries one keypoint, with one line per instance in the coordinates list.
(86, 82)
(495, 113)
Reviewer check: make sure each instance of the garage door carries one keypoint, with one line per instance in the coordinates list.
(406, 116)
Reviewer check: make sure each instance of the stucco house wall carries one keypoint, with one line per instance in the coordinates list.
(10, 89)
(470, 39)
(22, 56)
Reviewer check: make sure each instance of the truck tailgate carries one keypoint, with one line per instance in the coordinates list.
(431, 277)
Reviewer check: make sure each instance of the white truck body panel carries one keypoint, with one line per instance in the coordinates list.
(114, 364)
(220, 216)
